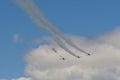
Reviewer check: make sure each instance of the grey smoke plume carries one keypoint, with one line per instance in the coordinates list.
(33, 11)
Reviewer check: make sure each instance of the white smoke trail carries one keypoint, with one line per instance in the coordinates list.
(61, 44)
(43, 23)
(24, 4)
(51, 26)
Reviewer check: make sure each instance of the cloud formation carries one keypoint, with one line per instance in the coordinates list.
(16, 38)
(104, 64)
(44, 64)
(23, 78)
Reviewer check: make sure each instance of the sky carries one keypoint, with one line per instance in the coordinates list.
(93, 24)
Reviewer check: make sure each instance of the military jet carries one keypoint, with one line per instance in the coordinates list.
(54, 50)
(78, 56)
(58, 54)
(63, 58)
(89, 54)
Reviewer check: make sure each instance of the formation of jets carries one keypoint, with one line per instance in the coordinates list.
(57, 52)
(53, 49)
(61, 40)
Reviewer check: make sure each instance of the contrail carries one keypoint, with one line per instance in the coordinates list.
(61, 44)
(33, 11)
(24, 4)
(51, 26)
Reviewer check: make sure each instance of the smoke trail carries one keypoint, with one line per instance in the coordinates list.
(39, 19)
(61, 44)
(51, 26)
(24, 4)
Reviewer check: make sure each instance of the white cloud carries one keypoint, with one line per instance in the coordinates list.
(22, 78)
(16, 37)
(44, 64)
(111, 38)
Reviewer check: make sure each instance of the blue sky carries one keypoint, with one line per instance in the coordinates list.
(85, 18)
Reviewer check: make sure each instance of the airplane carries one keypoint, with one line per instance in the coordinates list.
(78, 56)
(63, 58)
(56, 52)
(89, 54)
